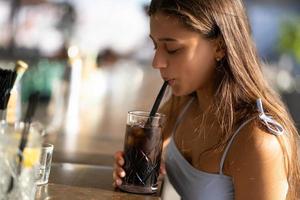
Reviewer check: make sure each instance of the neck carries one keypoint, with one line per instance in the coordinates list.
(205, 98)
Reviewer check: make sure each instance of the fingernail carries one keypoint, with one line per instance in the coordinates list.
(122, 174)
(119, 182)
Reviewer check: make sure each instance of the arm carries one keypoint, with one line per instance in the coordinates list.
(257, 166)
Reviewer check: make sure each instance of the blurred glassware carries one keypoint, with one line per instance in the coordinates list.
(24, 184)
(44, 167)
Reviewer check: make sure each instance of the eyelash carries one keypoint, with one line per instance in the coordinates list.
(168, 51)
(172, 52)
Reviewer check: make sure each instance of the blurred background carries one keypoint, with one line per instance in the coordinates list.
(91, 59)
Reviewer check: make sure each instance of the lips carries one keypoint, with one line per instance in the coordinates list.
(171, 81)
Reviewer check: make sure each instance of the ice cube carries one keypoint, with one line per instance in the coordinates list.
(137, 132)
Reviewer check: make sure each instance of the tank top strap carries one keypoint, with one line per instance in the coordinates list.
(272, 125)
(230, 142)
(181, 115)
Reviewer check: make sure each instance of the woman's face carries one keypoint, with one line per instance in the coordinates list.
(184, 57)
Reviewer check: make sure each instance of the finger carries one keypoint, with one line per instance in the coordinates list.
(162, 169)
(121, 161)
(115, 177)
(121, 172)
(119, 158)
(119, 154)
(116, 165)
(118, 182)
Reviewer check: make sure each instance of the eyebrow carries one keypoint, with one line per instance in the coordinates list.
(165, 39)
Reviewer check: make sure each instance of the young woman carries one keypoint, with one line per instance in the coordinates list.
(229, 134)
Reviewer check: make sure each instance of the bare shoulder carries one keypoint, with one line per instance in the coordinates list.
(253, 144)
(256, 163)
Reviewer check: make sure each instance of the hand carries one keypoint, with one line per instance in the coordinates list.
(162, 171)
(162, 168)
(118, 172)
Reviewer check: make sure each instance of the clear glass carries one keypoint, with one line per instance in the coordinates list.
(24, 182)
(142, 148)
(44, 167)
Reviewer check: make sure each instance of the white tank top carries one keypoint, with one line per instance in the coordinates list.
(193, 184)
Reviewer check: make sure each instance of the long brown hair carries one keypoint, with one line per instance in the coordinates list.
(240, 80)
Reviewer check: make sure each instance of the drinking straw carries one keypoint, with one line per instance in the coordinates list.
(7, 80)
(157, 103)
(32, 104)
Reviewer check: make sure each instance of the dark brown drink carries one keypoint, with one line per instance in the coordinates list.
(142, 148)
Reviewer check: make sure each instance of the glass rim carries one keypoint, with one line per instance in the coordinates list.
(145, 114)
(47, 146)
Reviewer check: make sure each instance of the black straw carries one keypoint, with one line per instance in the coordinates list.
(33, 101)
(32, 104)
(157, 103)
(7, 80)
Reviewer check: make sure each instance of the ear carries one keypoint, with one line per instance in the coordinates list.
(220, 48)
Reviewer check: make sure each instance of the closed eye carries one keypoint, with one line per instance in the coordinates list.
(173, 51)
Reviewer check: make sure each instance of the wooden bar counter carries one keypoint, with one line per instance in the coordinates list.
(84, 182)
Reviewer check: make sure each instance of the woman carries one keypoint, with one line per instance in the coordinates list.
(230, 136)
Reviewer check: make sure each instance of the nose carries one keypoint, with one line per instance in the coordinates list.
(159, 60)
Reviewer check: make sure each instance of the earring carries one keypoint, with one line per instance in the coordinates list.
(218, 59)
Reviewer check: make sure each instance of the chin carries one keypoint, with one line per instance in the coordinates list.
(179, 92)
